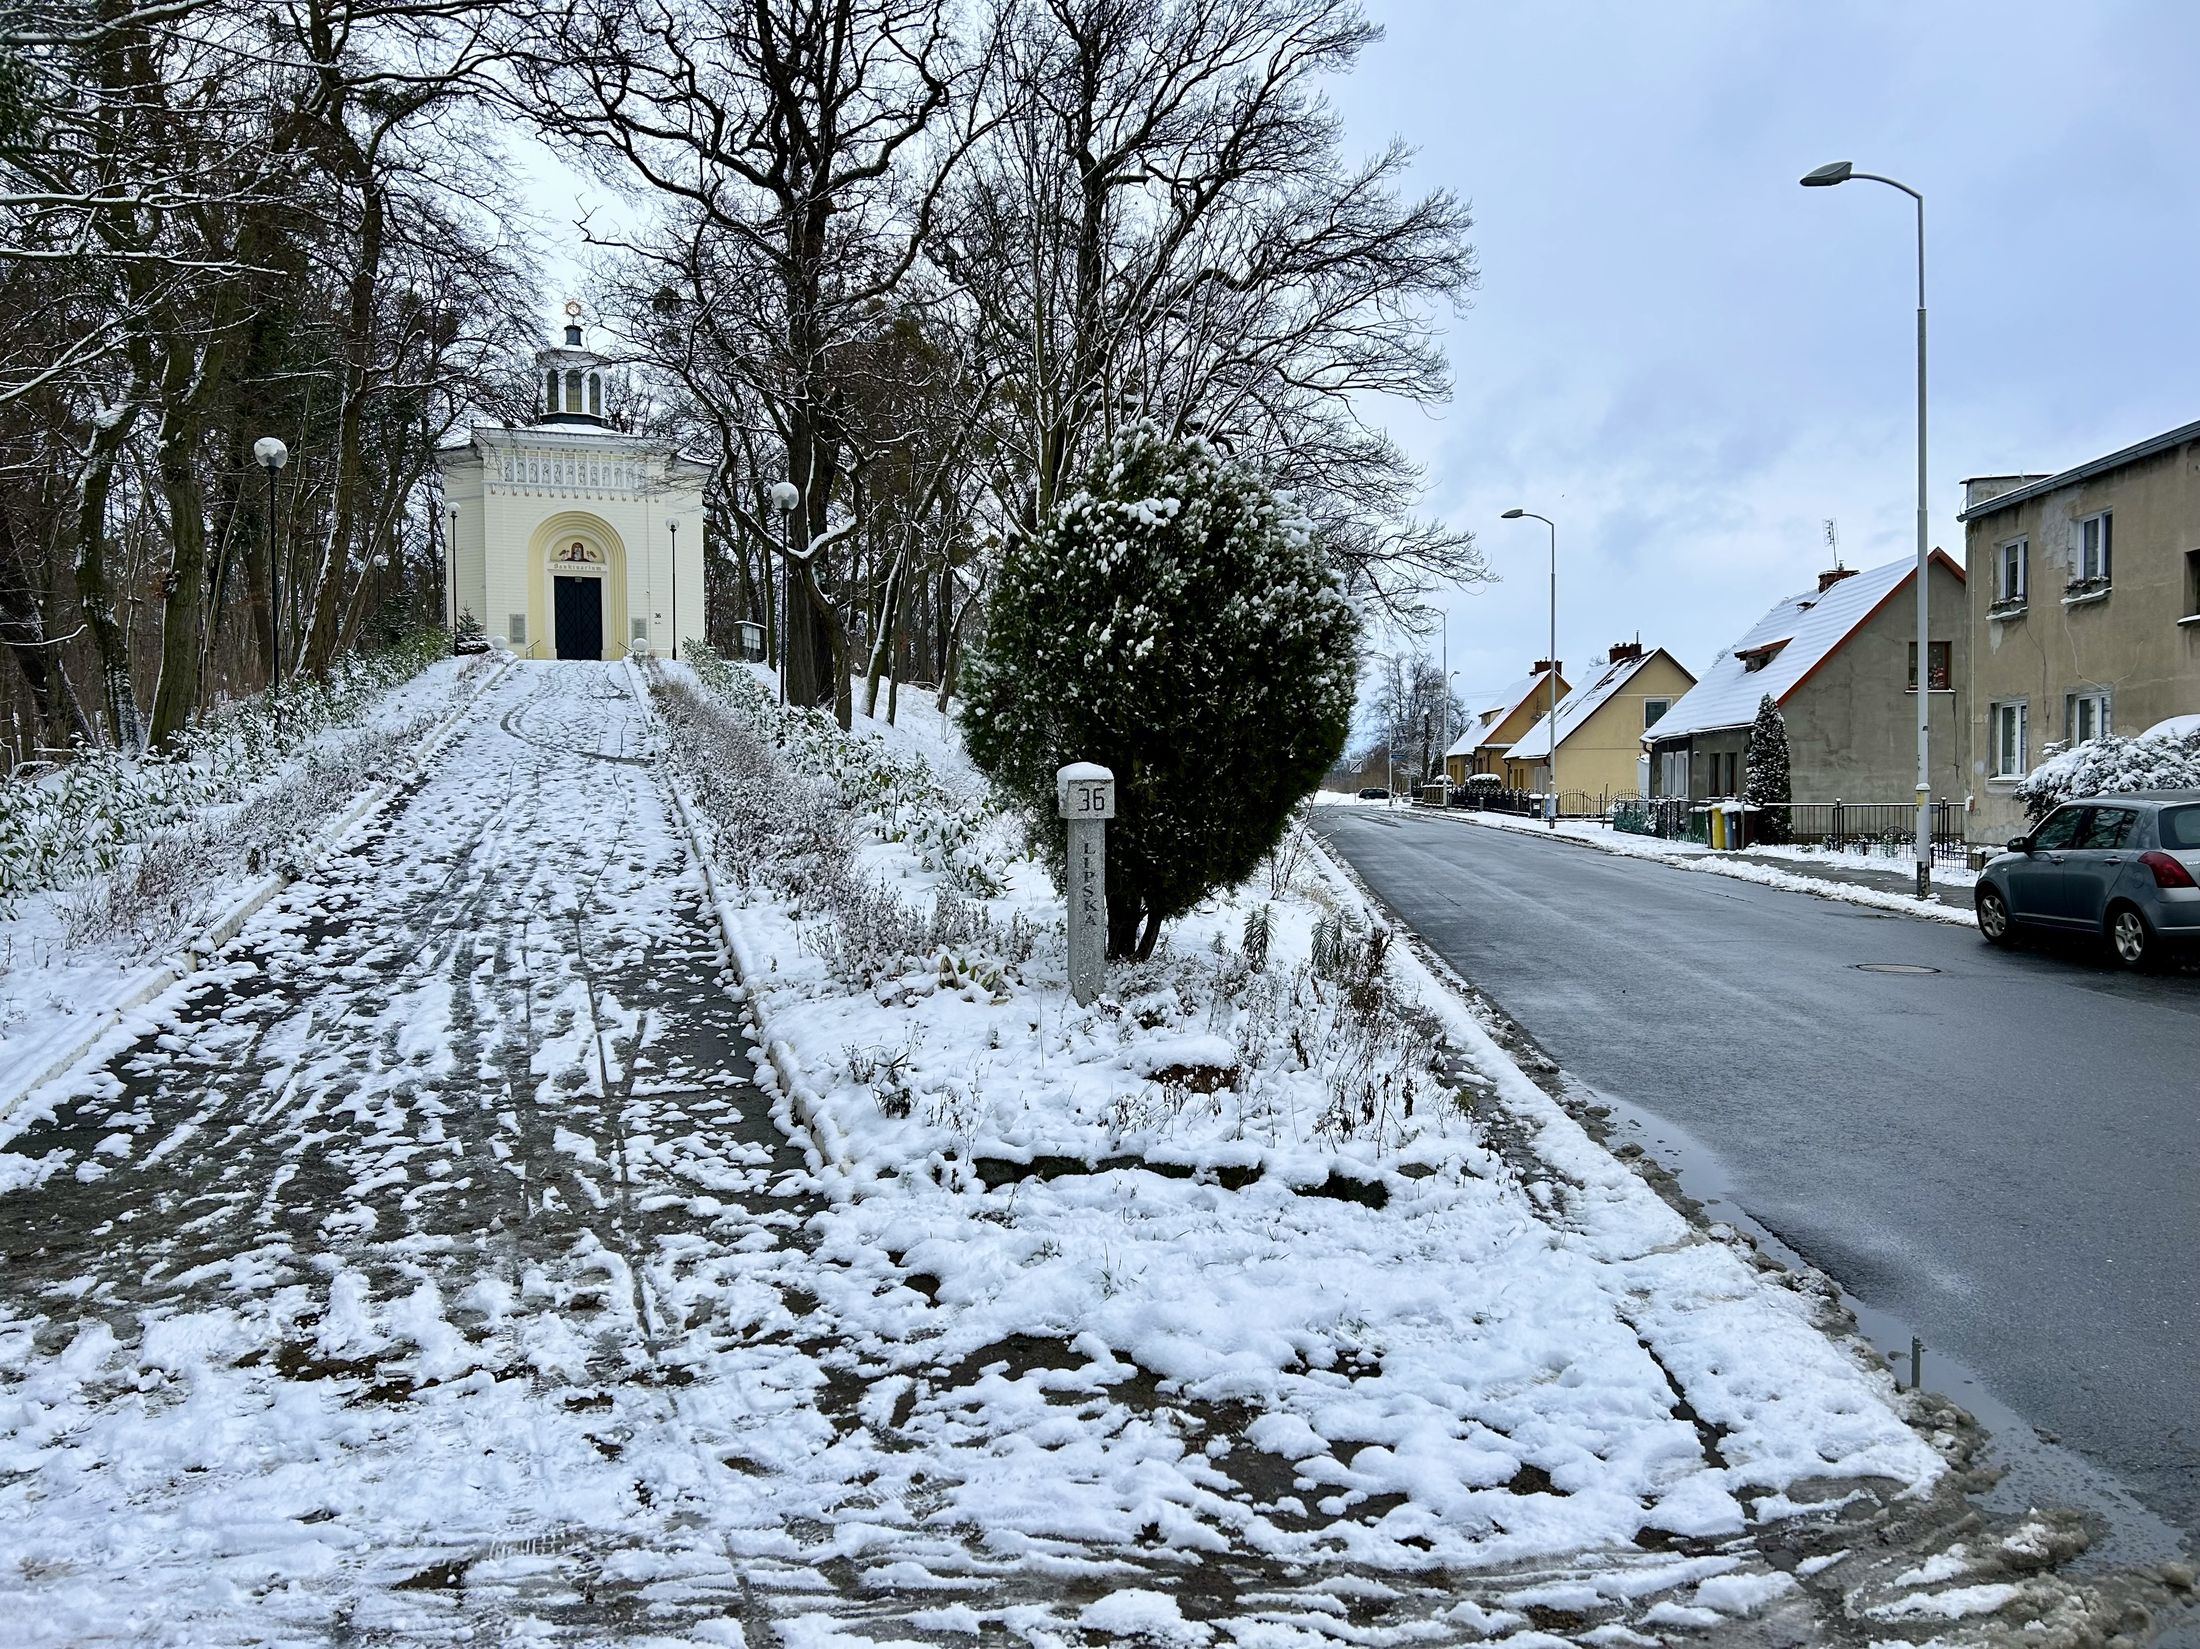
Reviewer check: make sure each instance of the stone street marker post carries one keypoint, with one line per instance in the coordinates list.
(1084, 794)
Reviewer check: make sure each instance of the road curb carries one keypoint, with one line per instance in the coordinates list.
(201, 948)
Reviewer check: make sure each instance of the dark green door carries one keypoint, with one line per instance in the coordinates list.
(580, 617)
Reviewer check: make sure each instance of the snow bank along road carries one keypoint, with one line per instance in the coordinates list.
(434, 1269)
(2002, 1153)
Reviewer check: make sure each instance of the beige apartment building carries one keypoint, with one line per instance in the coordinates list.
(2085, 609)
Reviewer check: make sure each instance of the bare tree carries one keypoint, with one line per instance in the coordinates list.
(1161, 226)
(797, 149)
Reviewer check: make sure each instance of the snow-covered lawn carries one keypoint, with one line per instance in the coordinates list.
(467, 1255)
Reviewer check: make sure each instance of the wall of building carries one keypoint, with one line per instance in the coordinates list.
(1603, 755)
(2139, 642)
(1852, 723)
(1489, 756)
(524, 493)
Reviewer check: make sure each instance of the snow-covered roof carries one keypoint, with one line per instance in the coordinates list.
(1496, 707)
(1578, 706)
(1792, 640)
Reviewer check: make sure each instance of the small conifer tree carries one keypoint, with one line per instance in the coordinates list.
(1769, 787)
(1174, 623)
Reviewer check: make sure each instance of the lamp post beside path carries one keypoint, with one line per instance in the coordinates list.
(1550, 810)
(1825, 177)
(271, 455)
(785, 496)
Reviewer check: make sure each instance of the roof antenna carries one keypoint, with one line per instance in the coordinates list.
(1833, 541)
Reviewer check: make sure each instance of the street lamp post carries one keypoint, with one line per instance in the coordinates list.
(271, 455)
(1450, 694)
(1840, 171)
(785, 496)
(450, 575)
(1550, 808)
(675, 527)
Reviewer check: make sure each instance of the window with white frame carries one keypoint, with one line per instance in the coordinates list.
(2085, 716)
(2094, 544)
(2006, 722)
(2009, 571)
(1653, 710)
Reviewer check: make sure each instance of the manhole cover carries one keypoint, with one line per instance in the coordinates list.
(1892, 967)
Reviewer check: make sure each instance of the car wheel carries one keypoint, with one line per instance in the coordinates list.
(1993, 918)
(2130, 937)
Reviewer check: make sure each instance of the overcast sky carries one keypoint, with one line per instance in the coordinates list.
(1688, 362)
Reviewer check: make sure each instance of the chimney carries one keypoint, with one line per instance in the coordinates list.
(1555, 666)
(1832, 576)
(1625, 652)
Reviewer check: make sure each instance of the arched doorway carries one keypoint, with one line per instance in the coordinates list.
(577, 600)
(577, 586)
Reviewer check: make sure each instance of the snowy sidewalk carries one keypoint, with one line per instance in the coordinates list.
(1850, 878)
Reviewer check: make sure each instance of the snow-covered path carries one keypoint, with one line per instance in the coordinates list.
(410, 1245)
(436, 1270)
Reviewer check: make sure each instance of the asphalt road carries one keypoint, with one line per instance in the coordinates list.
(2004, 1154)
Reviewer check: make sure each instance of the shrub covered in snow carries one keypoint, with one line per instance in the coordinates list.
(67, 824)
(1769, 785)
(2109, 766)
(1175, 624)
(898, 793)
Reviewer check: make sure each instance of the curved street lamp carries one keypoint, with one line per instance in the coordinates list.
(271, 455)
(1825, 177)
(1551, 806)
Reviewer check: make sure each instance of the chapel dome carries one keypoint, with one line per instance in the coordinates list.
(572, 378)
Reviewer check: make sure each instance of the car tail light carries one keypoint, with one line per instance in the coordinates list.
(2167, 871)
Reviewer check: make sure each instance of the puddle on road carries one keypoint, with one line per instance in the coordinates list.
(2035, 1472)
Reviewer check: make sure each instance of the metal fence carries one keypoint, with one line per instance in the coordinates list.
(1886, 829)
(1572, 804)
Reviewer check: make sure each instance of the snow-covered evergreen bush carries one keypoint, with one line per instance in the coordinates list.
(1769, 786)
(2109, 766)
(1174, 623)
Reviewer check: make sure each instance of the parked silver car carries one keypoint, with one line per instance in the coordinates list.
(2124, 867)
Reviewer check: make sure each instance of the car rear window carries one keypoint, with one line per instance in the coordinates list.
(2181, 827)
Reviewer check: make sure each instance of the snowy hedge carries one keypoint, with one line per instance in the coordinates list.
(898, 794)
(2109, 766)
(61, 826)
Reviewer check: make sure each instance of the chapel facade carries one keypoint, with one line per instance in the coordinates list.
(569, 538)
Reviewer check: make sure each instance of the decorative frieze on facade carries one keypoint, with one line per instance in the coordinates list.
(573, 471)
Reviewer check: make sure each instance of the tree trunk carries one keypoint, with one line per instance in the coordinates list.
(184, 588)
(882, 633)
(110, 637)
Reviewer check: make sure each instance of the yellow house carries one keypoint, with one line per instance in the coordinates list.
(1600, 727)
(1501, 719)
